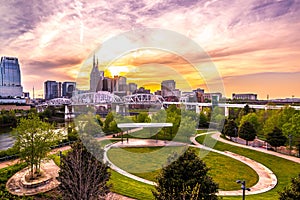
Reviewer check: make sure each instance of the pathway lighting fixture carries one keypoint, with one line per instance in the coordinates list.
(244, 188)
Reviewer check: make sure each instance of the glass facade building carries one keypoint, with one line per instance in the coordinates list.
(52, 89)
(10, 77)
(68, 88)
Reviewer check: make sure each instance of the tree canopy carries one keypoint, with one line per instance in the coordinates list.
(33, 140)
(185, 178)
(82, 176)
(292, 192)
(230, 129)
(247, 132)
(276, 138)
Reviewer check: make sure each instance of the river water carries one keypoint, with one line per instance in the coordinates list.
(6, 140)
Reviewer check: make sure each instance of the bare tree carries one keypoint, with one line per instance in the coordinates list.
(82, 176)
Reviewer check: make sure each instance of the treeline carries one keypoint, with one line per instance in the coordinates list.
(273, 126)
(184, 123)
(10, 118)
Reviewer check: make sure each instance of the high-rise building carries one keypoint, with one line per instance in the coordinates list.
(96, 77)
(132, 87)
(122, 84)
(10, 77)
(107, 84)
(51, 89)
(68, 88)
(168, 88)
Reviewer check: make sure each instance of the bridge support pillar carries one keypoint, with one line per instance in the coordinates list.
(198, 110)
(226, 111)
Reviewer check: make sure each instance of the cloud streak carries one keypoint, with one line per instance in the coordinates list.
(53, 38)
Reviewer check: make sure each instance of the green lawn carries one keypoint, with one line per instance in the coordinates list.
(144, 162)
(146, 133)
(108, 141)
(282, 168)
(129, 187)
(147, 162)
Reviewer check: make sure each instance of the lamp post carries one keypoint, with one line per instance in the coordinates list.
(244, 188)
(235, 133)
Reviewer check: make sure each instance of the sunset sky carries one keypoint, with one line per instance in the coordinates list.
(254, 44)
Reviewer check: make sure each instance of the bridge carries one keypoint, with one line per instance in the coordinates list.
(104, 100)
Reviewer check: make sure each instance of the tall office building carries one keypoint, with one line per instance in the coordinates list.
(96, 77)
(10, 77)
(168, 88)
(107, 84)
(51, 89)
(132, 87)
(68, 88)
(122, 84)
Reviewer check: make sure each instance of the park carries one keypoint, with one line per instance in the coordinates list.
(138, 152)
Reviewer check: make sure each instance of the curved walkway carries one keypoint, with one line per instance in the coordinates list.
(267, 180)
(217, 137)
(137, 143)
(18, 185)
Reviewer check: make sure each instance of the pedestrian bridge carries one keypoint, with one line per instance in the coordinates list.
(106, 99)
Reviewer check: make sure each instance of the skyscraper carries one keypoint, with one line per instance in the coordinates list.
(68, 88)
(10, 77)
(96, 77)
(51, 89)
(167, 88)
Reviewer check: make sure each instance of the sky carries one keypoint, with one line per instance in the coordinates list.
(254, 44)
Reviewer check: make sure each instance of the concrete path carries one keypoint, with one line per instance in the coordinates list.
(18, 185)
(137, 143)
(217, 137)
(267, 179)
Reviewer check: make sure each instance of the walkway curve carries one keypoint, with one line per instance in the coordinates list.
(217, 137)
(267, 179)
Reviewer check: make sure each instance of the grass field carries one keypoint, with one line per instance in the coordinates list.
(283, 169)
(148, 133)
(129, 187)
(147, 162)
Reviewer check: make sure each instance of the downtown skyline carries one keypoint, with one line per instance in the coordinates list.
(255, 45)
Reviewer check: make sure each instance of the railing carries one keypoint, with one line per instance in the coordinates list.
(15, 156)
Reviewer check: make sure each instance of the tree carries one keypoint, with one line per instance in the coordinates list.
(142, 117)
(292, 192)
(203, 121)
(247, 132)
(186, 129)
(252, 118)
(185, 178)
(292, 127)
(82, 176)
(230, 129)
(109, 118)
(92, 127)
(276, 138)
(33, 141)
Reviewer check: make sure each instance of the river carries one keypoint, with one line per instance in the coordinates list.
(6, 140)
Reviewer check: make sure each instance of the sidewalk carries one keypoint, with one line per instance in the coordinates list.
(267, 179)
(217, 137)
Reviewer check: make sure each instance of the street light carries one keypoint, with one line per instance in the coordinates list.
(244, 188)
(235, 133)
